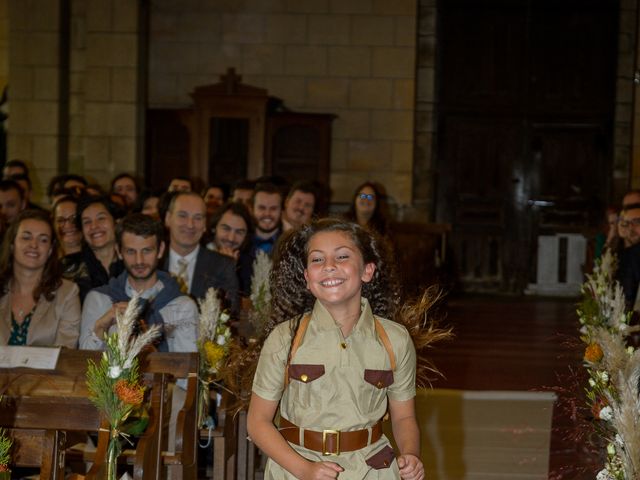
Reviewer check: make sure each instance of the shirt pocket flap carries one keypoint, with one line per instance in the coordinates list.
(379, 378)
(305, 372)
(383, 459)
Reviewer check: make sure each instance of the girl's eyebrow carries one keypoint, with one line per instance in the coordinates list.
(335, 249)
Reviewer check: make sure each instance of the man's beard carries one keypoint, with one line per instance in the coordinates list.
(130, 270)
(276, 225)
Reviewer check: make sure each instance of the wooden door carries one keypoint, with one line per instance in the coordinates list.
(524, 142)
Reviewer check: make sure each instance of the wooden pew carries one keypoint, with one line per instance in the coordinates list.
(39, 448)
(223, 442)
(43, 399)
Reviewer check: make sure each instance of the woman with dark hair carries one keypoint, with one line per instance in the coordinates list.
(369, 209)
(97, 221)
(38, 306)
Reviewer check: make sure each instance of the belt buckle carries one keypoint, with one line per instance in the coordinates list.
(324, 442)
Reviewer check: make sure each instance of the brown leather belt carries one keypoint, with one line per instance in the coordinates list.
(330, 442)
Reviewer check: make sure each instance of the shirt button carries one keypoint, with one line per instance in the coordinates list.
(343, 345)
(304, 377)
(380, 384)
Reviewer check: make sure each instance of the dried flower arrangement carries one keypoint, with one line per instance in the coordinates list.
(114, 383)
(614, 371)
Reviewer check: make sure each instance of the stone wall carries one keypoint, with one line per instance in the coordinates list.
(353, 58)
(34, 79)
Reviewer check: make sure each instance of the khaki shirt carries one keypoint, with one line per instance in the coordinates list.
(346, 387)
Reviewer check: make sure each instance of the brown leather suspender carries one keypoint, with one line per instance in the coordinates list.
(302, 328)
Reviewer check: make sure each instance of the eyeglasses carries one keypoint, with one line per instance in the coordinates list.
(71, 219)
(626, 223)
(367, 196)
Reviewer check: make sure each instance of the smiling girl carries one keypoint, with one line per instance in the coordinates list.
(334, 363)
(37, 306)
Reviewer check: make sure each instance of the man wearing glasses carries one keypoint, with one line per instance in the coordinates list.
(629, 257)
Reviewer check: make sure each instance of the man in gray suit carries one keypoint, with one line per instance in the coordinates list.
(195, 267)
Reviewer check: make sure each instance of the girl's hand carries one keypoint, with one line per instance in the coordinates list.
(323, 470)
(411, 467)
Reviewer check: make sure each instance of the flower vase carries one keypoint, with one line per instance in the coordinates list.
(113, 451)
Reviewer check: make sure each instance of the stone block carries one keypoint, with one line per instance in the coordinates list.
(263, 59)
(349, 61)
(305, 60)
(426, 92)
(96, 119)
(370, 93)
(45, 151)
(373, 30)
(42, 49)
(352, 124)
(76, 82)
(623, 112)
(36, 118)
(399, 186)
(45, 16)
(265, 6)
(123, 154)
(19, 51)
(124, 85)
(403, 94)
(392, 125)
(125, 16)
(405, 33)
(19, 145)
(96, 152)
(205, 27)
(307, 6)
(351, 6)
(343, 184)
(325, 93)
(328, 29)
(242, 28)
(339, 155)
(427, 21)
(397, 62)
(19, 13)
(215, 62)
(46, 83)
(21, 81)
(368, 155)
(219, 6)
(402, 157)
(286, 29)
(163, 89)
(427, 51)
(112, 50)
(395, 7)
(424, 121)
(292, 90)
(624, 89)
(99, 15)
(98, 86)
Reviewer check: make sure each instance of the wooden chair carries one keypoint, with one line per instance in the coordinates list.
(223, 442)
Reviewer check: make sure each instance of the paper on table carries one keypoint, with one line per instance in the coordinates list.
(43, 358)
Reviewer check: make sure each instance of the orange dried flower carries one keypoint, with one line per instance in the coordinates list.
(593, 353)
(4, 468)
(129, 393)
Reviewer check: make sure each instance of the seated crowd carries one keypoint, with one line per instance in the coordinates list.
(65, 272)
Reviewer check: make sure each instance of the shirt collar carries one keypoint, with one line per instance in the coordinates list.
(175, 256)
(323, 320)
(148, 293)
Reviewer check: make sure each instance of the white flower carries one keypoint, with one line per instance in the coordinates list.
(604, 475)
(606, 413)
(115, 371)
(630, 350)
(224, 317)
(611, 449)
(604, 376)
(221, 340)
(592, 382)
(618, 440)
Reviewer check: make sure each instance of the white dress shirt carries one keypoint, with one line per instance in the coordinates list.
(174, 264)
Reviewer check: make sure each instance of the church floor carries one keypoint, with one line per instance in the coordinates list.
(493, 416)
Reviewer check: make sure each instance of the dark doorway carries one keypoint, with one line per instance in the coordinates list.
(525, 128)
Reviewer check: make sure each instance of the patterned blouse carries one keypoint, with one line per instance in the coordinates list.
(19, 331)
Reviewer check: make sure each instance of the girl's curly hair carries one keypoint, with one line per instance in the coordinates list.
(291, 298)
